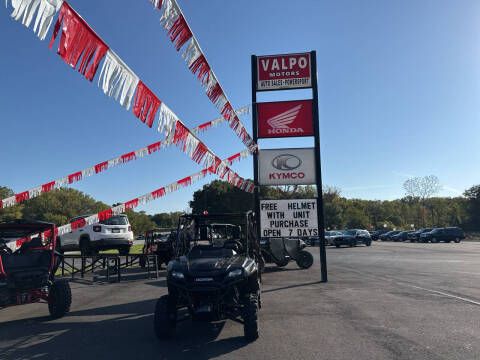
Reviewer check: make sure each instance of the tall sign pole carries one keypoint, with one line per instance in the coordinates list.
(298, 166)
(255, 138)
(318, 170)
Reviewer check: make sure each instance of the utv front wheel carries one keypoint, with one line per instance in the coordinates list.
(305, 259)
(59, 299)
(250, 318)
(165, 319)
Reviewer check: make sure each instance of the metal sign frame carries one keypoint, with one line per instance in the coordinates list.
(318, 169)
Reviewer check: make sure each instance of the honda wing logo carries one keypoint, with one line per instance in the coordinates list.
(286, 162)
(279, 123)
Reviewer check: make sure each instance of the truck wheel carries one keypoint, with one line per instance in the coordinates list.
(457, 240)
(304, 260)
(124, 251)
(250, 318)
(59, 299)
(368, 243)
(165, 319)
(282, 263)
(434, 240)
(85, 249)
(337, 245)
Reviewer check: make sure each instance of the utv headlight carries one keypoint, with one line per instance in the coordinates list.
(178, 275)
(235, 273)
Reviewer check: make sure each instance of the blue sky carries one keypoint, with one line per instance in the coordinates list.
(399, 86)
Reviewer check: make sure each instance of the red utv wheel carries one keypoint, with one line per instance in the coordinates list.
(59, 299)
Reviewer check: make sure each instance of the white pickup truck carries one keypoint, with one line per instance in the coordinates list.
(114, 233)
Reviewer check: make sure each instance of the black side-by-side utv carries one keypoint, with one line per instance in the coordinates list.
(215, 274)
(27, 274)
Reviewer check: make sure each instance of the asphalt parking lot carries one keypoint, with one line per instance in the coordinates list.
(388, 301)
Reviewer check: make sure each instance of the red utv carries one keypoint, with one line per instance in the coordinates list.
(27, 274)
(158, 242)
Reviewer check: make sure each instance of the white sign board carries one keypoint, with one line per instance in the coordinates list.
(288, 218)
(286, 166)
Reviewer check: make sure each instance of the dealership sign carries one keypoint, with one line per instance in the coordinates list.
(285, 119)
(286, 166)
(290, 71)
(288, 218)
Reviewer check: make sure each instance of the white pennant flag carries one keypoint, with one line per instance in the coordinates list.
(24, 11)
(117, 80)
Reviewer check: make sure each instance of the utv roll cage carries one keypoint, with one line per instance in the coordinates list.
(193, 228)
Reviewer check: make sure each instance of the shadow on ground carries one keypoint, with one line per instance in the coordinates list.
(93, 334)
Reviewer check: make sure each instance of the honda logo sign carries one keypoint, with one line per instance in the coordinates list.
(285, 119)
(289, 71)
(286, 166)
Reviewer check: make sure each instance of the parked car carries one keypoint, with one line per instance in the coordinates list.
(375, 235)
(401, 236)
(414, 236)
(114, 233)
(359, 236)
(443, 234)
(330, 236)
(387, 236)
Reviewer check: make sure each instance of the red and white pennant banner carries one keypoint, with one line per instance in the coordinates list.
(81, 48)
(181, 35)
(98, 168)
(144, 199)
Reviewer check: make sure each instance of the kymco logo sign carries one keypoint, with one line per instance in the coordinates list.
(285, 119)
(286, 166)
(289, 71)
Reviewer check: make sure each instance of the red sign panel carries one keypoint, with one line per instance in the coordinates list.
(285, 119)
(290, 71)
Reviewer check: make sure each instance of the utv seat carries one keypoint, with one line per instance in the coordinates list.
(30, 256)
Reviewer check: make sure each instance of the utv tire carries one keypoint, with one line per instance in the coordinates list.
(304, 260)
(124, 251)
(250, 318)
(282, 263)
(165, 319)
(59, 299)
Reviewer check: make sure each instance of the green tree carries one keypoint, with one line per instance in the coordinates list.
(473, 205)
(61, 205)
(140, 222)
(220, 197)
(10, 213)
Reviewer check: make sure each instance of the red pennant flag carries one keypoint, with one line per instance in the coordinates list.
(146, 104)
(200, 66)
(78, 42)
(180, 33)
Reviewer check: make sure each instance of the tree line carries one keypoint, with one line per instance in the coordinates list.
(59, 206)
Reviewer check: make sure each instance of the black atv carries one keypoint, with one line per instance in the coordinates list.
(28, 262)
(215, 274)
(281, 250)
